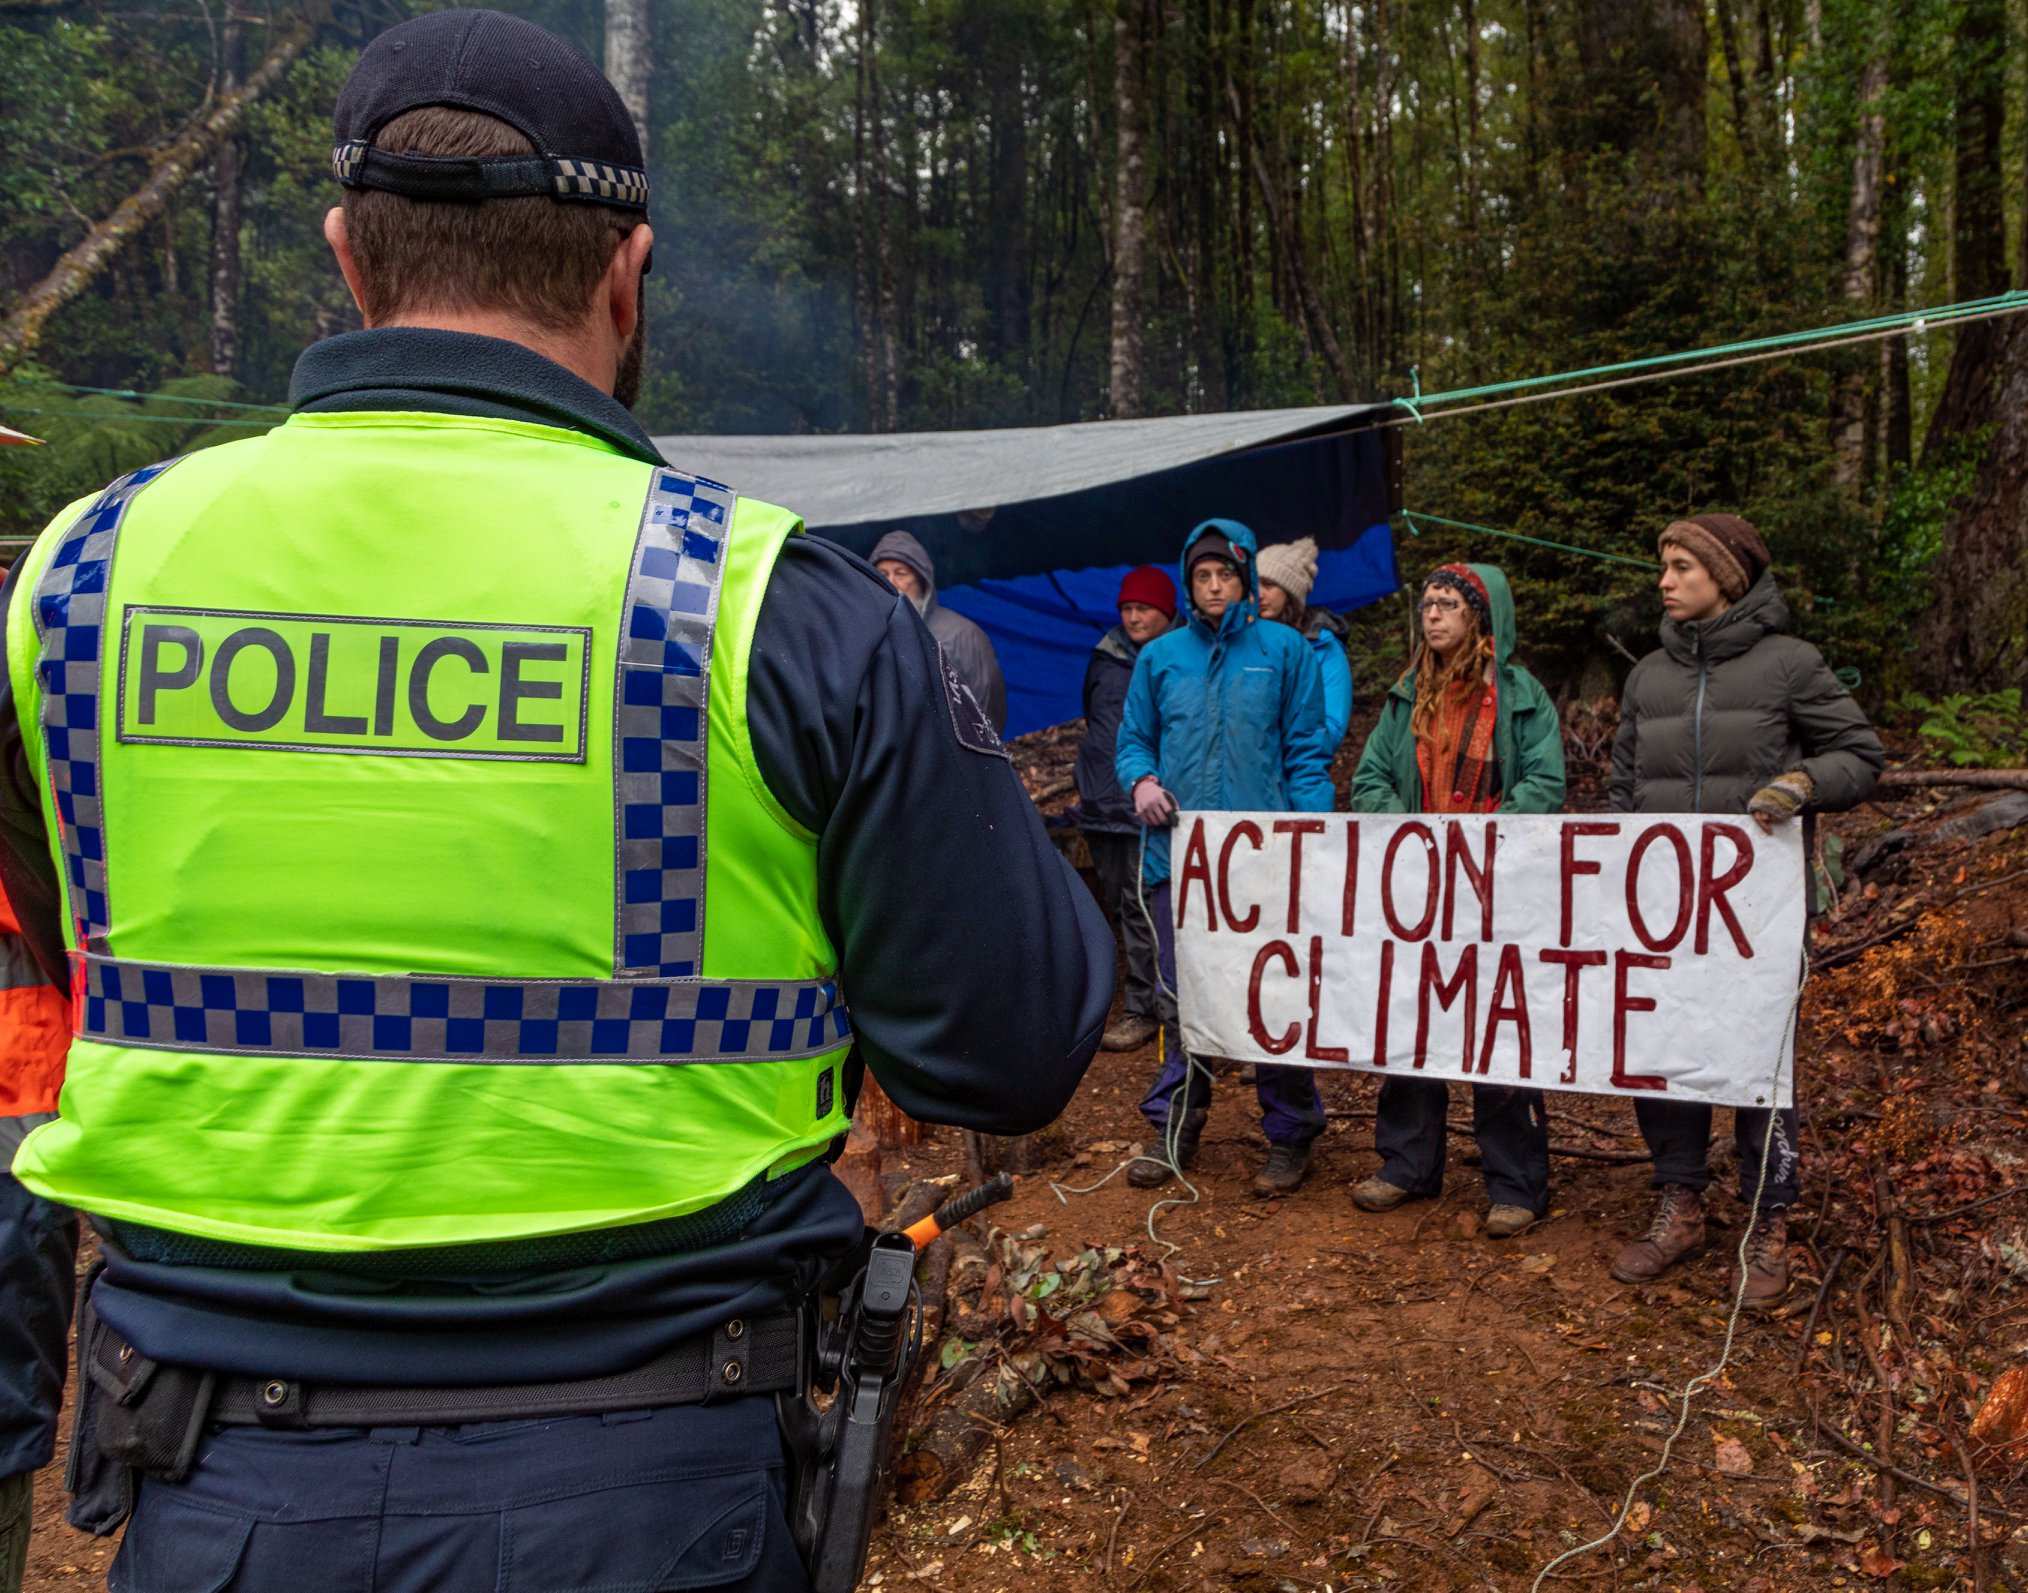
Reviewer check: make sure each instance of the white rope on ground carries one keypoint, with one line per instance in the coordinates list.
(1172, 1133)
(1691, 1389)
(1417, 418)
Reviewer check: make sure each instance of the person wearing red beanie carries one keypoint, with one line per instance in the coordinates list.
(1147, 604)
(1148, 587)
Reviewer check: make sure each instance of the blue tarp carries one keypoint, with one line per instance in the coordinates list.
(1045, 626)
(1032, 528)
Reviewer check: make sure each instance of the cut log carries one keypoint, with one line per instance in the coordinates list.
(989, 1395)
(82, 263)
(1990, 779)
(1987, 818)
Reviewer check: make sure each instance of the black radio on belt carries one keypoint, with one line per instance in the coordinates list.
(839, 1451)
(855, 1362)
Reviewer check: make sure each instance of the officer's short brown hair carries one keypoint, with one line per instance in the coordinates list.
(532, 257)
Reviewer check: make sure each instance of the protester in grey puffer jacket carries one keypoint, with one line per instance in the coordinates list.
(1732, 714)
(899, 556)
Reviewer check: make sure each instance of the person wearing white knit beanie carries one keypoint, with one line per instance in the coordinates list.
(1288, 571)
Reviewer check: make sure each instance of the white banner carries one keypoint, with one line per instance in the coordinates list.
(1648, 955)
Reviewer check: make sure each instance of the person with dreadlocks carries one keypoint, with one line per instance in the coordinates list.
(1465, 730)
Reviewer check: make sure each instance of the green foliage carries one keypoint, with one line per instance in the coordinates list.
(1470, 191)
(91, 439)
(1988, 731)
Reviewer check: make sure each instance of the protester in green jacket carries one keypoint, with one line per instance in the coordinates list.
(1465, 730)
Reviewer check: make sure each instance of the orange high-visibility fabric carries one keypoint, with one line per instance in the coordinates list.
(34, 1025)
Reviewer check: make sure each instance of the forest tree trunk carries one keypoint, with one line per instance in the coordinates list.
(1130, 208)
(225, 184)
(1862, 251)
(630, 59)
(170, 170)
(1976, 633)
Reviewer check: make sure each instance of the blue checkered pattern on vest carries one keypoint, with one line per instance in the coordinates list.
(70, 607)
(663, 696)
(655, 1009)
(419, 1019)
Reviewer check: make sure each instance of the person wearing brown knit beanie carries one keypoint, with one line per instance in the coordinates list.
(1730, 550)
(1731, 714)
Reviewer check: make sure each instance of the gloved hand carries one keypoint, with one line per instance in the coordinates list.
(1781, 799)
(1153, 806)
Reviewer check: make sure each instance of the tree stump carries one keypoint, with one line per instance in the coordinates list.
(987, 1154)
(890, 1126)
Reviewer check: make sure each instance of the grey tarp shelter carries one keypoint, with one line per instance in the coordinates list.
(1031, 527)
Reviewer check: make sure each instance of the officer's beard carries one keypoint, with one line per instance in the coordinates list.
(627, 379)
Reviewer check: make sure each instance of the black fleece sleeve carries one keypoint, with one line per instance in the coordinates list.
(977, 966)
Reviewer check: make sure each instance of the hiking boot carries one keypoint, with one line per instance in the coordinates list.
(1377, 1194)
(1131, 1033)
(1676, 1232)
(1151, 1169)
(1767, 1262)
(1283, 1172)
(1504, 1222)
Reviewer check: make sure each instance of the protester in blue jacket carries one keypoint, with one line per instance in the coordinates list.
(1226, 712)
(1287, 572)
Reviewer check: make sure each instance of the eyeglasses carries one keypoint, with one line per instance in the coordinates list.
(1443, 605)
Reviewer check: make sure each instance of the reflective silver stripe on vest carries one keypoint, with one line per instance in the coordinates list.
(13, 1130)
(70, 611)
(660, 722)
(423, 1018)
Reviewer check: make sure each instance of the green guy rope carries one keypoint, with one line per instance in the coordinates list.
(154, 398)
(188, 422)
(2008, 303)
(1412, 517)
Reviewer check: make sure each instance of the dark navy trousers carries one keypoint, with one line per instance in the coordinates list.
(682, 1497)
(1291, 1113)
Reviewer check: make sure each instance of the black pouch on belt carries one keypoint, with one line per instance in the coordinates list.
(133, 1414)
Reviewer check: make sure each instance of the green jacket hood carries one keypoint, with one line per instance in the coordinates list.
(1500, 598)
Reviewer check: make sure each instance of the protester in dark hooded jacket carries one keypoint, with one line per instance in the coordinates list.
(908, 568)
(1465, 730)
(1147, 605)
(1226, 712)
(1731, 714)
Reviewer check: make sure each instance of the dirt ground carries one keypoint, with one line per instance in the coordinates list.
(1397, 1402)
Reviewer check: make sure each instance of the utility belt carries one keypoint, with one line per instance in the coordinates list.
(836, 1364)
(137, 1414)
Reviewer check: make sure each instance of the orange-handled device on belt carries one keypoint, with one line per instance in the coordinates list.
(955, 1210)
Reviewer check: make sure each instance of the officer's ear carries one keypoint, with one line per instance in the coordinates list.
(341, 248)
(623, 283)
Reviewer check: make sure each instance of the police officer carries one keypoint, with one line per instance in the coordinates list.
(485, 856)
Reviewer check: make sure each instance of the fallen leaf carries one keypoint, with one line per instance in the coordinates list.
(1538, 1264)
(1877, 1562)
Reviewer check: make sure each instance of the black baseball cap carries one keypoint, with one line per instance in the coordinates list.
(587, 148)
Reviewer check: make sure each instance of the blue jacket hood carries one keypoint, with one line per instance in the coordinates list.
(1247, 609)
